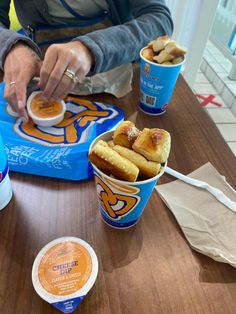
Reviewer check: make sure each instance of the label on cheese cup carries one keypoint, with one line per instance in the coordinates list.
(64, 271)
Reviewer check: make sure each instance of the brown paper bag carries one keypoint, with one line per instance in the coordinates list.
(208, 225)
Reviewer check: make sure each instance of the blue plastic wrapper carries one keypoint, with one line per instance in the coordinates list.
(60, 151)
(3, 162)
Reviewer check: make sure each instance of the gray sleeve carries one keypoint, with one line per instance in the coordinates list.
(121, 44)
(8, 39)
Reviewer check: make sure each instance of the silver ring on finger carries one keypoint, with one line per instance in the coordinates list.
(12, 83)
(71, 74)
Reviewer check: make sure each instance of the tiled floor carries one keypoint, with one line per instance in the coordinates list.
(217, 94)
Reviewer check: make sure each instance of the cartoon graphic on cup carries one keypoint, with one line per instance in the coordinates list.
(147, 68)
(122, 203)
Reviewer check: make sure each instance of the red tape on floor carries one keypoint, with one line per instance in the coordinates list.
(206, 100)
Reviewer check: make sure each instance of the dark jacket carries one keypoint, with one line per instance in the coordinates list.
(136, 22)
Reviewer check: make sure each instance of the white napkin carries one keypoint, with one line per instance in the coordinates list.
(208, 225)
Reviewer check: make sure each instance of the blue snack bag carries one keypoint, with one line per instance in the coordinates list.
(5, 184)
(60, 151)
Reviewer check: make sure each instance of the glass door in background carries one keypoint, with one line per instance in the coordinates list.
(223, 33)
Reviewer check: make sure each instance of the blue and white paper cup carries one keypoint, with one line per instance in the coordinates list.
(5, 184)
(121, 203)
(157, 82)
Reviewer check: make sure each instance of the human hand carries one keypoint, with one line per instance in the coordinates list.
(21, 64)
(74, 57)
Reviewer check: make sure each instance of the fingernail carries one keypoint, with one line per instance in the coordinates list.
(20, 104)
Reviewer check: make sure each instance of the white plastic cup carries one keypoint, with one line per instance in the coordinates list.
(5, 184)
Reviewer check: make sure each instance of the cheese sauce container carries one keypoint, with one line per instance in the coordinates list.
(64, 271)
(5, 184)
(45, 113)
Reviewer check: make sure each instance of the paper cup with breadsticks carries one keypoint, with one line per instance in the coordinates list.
(127, 164)
(160, 65)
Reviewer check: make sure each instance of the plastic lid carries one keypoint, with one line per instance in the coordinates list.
(64, 271)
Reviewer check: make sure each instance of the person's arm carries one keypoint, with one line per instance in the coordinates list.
(19, 61)
(102, 50)
(9, 38)
(121, 44)
(4, 22)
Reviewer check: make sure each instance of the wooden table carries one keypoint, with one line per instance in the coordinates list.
(147, 269)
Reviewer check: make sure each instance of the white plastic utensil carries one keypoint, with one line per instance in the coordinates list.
(219, 195)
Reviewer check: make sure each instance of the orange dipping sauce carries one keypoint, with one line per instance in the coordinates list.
(45, 109)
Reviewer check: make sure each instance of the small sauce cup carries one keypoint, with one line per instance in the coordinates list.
(45, 113)
(64, 271)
